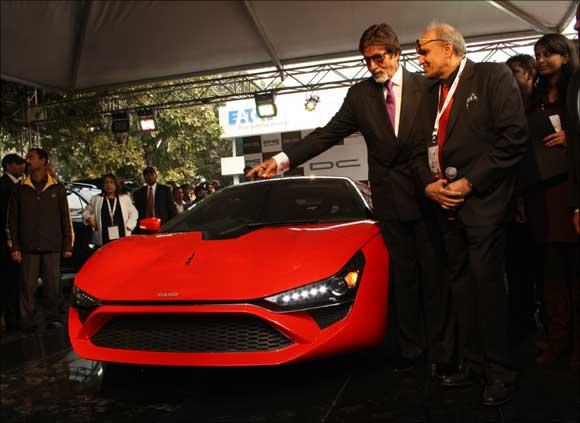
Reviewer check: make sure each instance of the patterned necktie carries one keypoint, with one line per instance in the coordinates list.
(390, 102)
(149, 210)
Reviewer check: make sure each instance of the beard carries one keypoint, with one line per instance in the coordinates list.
(380, 77)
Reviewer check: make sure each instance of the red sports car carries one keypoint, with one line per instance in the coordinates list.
(261, 273)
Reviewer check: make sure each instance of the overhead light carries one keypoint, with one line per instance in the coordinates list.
(121, 122)
(265, 107)
(311, 102)
(147, 120)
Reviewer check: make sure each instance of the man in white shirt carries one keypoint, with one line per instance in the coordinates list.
(153, 199)
(383, 108)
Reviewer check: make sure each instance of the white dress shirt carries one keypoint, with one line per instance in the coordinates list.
(398, 92)
(13, 178)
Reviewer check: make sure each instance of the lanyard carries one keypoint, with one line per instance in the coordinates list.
(447, 99)
(111, 212)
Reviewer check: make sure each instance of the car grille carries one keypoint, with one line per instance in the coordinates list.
(183, 333)
(326, 316)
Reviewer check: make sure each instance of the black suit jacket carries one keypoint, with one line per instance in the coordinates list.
(486, 139)
(164, 205)
(390, 173)
(7, 187)
(573, 135)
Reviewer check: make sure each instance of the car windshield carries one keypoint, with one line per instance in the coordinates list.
(273, 203)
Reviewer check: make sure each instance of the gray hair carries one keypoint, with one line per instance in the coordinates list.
(446, 32)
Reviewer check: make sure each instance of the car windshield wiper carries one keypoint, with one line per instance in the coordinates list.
(250, 226)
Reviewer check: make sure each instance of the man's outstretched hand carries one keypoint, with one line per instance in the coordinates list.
(264, 170)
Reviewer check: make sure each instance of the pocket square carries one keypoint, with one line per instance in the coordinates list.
(472, 98)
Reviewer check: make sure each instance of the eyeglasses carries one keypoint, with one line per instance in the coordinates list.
(377, 58)
(419, 46)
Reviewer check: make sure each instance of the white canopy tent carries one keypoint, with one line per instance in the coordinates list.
(73, 46)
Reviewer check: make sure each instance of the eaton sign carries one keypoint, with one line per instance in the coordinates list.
(241, 116)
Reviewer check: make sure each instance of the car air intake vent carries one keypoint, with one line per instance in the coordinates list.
(327, 316)
(182, 333)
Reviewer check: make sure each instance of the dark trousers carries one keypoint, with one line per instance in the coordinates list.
(9, 287)
(523, 270)
(47, 266)
(418, 294)
(476, 264)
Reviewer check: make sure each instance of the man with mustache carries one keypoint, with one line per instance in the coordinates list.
(383, 108)
(474, 136)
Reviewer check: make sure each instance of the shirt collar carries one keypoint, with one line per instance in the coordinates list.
(397, 78)
(154, 186)
(14, 179)
(451, 78)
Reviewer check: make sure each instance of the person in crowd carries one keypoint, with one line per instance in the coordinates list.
(216, 185)
(523, 67)
(522, 273)
(384, 109)
(178, 199)
(573, 119)
(474, 136)
(39, 231)
(13, 167)
(111, 214)
(153, 199)
(186, 190)
(547, 207)
(200, 191)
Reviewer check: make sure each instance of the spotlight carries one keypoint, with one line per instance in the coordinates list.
(121, 122)
(265, 106)
(311, 102)
(147, 120)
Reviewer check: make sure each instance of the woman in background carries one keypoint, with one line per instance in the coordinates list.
(547, 206)
(111, 214)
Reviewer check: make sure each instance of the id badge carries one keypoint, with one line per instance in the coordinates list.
(113, 232)
(433, 154)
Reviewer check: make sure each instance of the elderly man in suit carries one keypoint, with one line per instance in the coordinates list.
(153, 199)
(474, 136)
(383, 108)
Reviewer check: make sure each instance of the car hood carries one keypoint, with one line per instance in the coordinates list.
(184, 267)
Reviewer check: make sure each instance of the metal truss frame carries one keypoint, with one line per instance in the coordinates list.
(290, 79)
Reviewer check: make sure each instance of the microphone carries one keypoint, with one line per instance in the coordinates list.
(451, 175)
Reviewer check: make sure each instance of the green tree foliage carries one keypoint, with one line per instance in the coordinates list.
(186, 146)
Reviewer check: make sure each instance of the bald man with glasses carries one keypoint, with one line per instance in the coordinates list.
(383, 108)
(475, 134)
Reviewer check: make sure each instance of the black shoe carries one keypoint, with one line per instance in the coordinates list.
(403, 365)
(465, 376)
(439, 371)
(497, 393)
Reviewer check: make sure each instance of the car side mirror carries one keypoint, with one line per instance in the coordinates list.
(150, 224)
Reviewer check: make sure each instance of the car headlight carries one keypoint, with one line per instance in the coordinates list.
(81, 299)
(338, 289)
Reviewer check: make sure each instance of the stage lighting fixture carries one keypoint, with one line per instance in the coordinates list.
(311, 102)
(265, 107)
(147, 121)
(121, 122)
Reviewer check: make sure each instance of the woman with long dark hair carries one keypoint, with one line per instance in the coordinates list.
(111, 214)
(546, 201)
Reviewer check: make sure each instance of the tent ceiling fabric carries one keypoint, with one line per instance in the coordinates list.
(87, 45)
